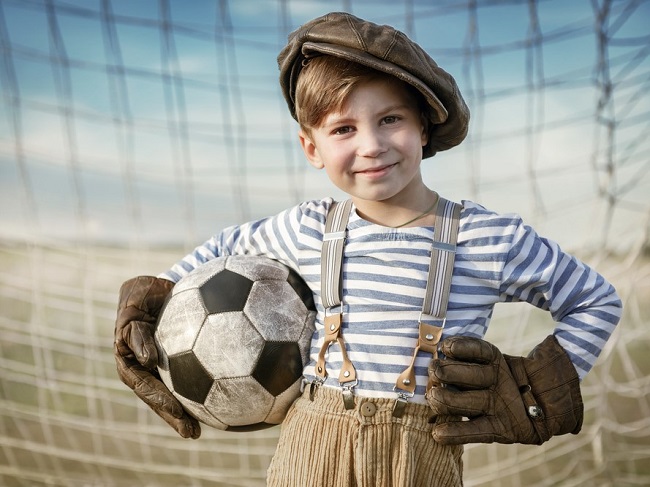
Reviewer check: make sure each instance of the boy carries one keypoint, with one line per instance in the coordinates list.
(371, 104)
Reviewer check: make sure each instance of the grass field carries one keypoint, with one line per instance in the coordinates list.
(66, 419)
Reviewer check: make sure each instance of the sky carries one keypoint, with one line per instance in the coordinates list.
(160, 122)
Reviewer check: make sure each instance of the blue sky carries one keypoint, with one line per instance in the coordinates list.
(113, 129)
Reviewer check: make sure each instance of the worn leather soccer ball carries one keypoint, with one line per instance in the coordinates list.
(233, 338)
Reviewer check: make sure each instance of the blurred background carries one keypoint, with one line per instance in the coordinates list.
(131, 131)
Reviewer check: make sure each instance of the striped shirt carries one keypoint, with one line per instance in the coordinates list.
(498, 259)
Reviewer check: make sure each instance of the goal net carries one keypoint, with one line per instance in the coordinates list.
(132, 131)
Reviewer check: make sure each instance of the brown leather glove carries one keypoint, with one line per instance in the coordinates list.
(136, 355)
(506, 399)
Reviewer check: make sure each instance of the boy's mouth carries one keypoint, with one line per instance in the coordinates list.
(376, 171)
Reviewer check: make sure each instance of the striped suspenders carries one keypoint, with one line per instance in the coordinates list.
(331, 268)
(434, 310)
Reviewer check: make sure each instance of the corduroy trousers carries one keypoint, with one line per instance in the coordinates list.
(324, 445)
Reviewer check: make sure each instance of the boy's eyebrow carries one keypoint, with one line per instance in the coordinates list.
(338, 118)
(397, 106)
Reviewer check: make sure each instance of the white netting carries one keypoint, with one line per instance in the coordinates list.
(131, 131)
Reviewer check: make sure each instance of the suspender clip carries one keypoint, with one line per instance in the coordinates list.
(348, 397)
(313, 386)
(400, 403)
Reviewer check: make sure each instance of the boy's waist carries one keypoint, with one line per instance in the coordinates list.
(327, 400)
(367, 388)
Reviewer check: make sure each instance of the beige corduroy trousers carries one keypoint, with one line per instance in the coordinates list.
(324, 445)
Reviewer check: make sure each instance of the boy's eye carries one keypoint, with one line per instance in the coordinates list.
(390, 119)
(342, 130)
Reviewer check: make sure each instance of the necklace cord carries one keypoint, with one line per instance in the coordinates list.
(424, 213)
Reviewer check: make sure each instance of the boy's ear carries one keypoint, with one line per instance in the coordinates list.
(309, 148)
(425, 129)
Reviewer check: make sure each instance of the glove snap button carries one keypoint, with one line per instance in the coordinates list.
(368, 409)
(535, 412)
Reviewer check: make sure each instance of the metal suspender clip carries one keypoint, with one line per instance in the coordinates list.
(400, 403)
(346, 391)
(313, 387)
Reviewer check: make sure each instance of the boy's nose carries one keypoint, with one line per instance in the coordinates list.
(371, 143)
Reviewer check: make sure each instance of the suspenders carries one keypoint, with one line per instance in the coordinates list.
(434, 310)
(331, 269)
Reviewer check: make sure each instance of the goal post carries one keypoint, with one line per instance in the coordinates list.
(132, 131)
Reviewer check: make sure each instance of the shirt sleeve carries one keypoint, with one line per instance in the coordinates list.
(278, 237)
(583, 304)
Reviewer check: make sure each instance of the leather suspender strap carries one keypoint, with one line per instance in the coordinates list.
(436, 298)
(331, 269)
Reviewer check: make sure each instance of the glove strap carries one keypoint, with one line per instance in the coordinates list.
(533, 409)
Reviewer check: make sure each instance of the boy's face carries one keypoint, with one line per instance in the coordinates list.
(372, 149)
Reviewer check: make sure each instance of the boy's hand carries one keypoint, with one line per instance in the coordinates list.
(506, 399)
(140, 302)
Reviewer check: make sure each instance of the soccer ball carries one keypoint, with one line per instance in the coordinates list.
(233, 338)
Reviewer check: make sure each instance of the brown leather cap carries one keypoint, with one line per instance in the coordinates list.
(386, 49)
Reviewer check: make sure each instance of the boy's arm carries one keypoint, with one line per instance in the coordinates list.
(527, 400)
(581, 302)
(142, 298)
(273, 237)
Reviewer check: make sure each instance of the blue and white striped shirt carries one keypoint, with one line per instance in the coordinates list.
(498, 259)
